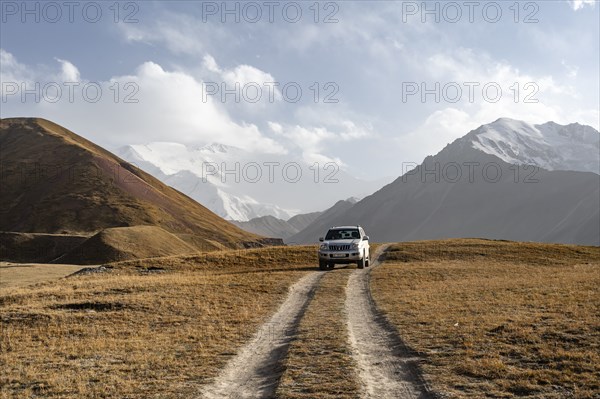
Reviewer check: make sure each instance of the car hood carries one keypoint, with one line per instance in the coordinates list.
(342, 242)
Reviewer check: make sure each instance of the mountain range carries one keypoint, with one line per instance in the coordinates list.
(240, 185)
(505, 180)
(66, 198)
(550, 146)
(270, 226)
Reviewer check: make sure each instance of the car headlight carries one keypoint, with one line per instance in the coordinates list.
(355, 246)
(323, 246)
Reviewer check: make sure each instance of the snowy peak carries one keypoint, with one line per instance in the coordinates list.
(184, 168)
(574, 132)
(550, 146)
(216, 148)
(237, 184)
(172, 158)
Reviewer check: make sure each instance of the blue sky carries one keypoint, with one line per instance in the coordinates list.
(154, 63)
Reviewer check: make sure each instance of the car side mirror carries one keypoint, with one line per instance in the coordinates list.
(366, 238)
(321, 239)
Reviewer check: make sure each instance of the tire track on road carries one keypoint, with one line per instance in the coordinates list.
(386, 367)
(255, 370)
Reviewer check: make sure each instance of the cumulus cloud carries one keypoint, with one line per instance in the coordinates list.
(252, 84)
(12, 70)
(157, 104)
(153, 104)
(275, 127)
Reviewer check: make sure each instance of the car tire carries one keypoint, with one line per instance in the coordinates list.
(323, 265)
(361, 263)
(330, 266)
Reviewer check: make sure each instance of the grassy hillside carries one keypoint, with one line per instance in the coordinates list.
(126, 243)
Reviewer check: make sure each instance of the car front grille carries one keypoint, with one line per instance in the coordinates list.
(339, 247)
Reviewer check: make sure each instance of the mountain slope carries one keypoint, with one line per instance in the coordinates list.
(54, 181)
(301, 221)
(318, 228)
(464, 191)
(270, 226)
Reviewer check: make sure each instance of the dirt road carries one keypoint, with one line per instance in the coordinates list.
(385, 365)
(255, 370)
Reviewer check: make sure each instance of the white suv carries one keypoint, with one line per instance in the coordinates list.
(344, 244)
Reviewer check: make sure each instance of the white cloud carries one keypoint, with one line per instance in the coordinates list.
(175, 35)
(352, 132)
(210, 63)
(181, 34)
(70, 73)
(275, 127)
(254, 88)
(12, 70)
(555, 101)
(247, 74)
(313, 141)
(579, 4)
(522, 96)
(438, 129)
(169, 107)
(572, 70)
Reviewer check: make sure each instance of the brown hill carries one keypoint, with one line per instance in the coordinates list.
(54, 181)
(126, 243)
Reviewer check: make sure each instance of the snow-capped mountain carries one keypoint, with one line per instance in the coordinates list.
(556, 203)
(196, 171)
(550, 146)
(239, 185)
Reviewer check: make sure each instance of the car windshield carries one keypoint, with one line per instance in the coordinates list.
(342, 234)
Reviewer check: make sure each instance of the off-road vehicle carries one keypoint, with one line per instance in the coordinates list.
(343, 245)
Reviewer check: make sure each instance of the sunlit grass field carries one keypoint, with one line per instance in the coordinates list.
(159, 328)
(488, 318)
(497, 319)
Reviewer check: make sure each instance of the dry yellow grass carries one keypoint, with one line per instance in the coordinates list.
(497, 319)
(491, 319)
(14, 275)
(319, 363)
(136, 333)
(231, 261)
